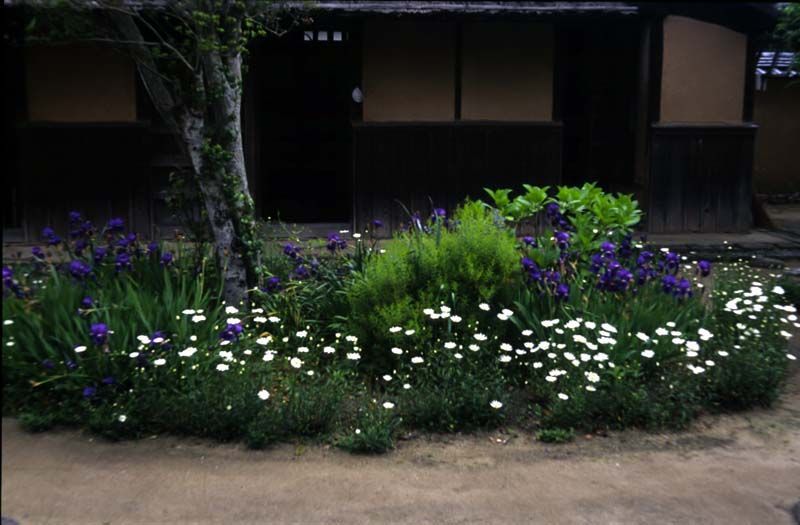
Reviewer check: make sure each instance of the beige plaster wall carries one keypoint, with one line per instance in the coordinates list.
(703, 72)
(79, 84)
(408, 70)
(507, 71)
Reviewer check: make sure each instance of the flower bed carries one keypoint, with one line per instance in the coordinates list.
(455, 325)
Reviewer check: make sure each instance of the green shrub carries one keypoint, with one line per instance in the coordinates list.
(37, 422)
(372, 431)
(265, 429)
(555, 435)
(472, 261)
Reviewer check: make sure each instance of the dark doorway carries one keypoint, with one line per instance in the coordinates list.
(304, 83)
(599, 65)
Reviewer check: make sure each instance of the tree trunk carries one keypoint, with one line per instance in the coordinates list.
(220, 214)
(223, 185)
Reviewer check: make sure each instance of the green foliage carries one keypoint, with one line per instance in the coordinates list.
(555, 435)
(444, 334)
(787, 29)
(592, 212)
(475, 260)
(37, 422)
(372, 431)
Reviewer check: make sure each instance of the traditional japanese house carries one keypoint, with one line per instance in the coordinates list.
(373, 104)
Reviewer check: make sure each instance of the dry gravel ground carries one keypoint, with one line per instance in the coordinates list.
(731, 469)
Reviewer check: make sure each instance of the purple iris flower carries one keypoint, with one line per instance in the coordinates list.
(74, 216)
(273, 284)
(98, 333)
(596, 262)
(562, 292)
(48, 364)
(704, 267)
(673, 261)
(166, 259)
(109, 380)
(89, 392)
(231, 332)
(127, 240)
(50, 236)
(99, 254)
(529, 241)
(8, 277)
(87, 302)
(152, 247)
(683, 289)
(81, 245)
(71, 365)
(644, 258)
(552, 276)
(625, 248)
(335, 242)
(37, 252)
(528, 264)
(552, 210)
(668, 283)
(122, 261)
(377, 223)
(79, 269)
(116, 224)
(291, 250)
(562, 239)
(301, 272)
(608, 247)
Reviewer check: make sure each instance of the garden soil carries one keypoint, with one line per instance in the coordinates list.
(730, 469)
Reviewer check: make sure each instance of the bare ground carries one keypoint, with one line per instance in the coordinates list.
(730, 469)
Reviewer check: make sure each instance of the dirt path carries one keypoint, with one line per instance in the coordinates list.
(727, 470)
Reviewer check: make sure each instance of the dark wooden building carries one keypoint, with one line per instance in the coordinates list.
(380, 103)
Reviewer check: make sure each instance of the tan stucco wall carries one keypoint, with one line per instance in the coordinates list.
(79, 84)
(703, 72)
(408, 70)
(507, 71)
(777, 113)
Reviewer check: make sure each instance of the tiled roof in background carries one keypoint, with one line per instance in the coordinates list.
(776, 64)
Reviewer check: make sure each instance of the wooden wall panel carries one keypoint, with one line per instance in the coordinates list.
(443, 163)
(700, 178)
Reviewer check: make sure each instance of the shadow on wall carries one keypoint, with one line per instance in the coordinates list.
(777, 113)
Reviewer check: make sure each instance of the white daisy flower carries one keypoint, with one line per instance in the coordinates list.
(187, 352)
(263, 395)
